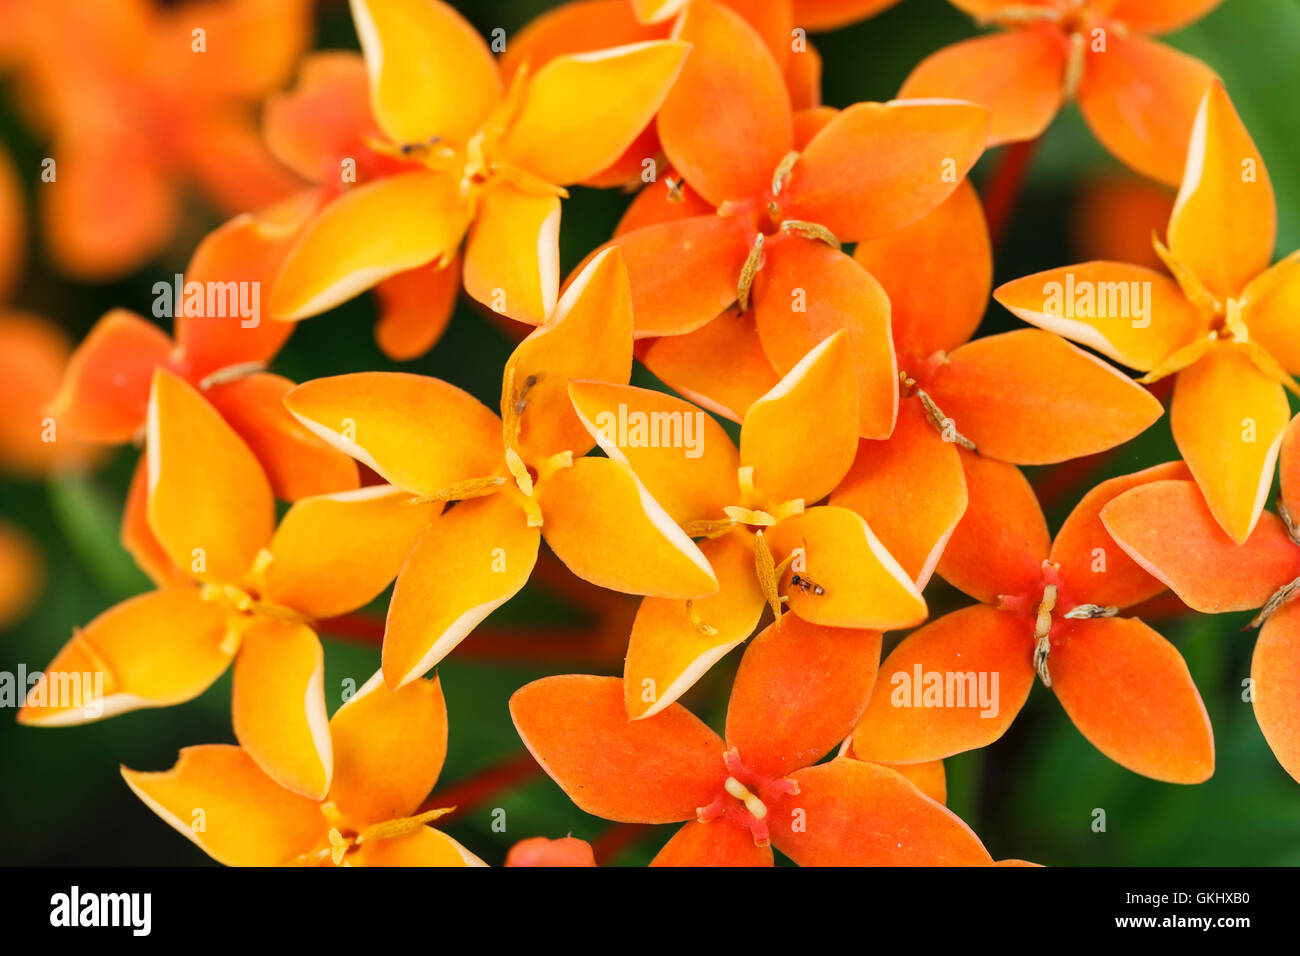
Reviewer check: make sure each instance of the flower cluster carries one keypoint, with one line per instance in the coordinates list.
(827, 436)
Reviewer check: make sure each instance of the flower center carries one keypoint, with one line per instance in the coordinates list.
(744, 797)
(1045, 609)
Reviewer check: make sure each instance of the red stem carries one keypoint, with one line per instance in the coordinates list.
(1005, 185)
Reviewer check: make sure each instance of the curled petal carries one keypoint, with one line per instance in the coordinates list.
(415, 307)
(1128, 691)
(249, 819)
(512, 259)
(1031, 398)
(1228, 419)
(659, 770)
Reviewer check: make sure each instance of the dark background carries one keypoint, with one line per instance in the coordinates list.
(1030, 795)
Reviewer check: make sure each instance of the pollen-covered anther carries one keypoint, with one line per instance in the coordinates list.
(748, 272)
(812, 230)
(946, 427)
(1085, 612)
(230, 373)
(783, 170)
(1018, 15)
(1074, 65)
(1282, 595)
(461, 490)
(1043, 633)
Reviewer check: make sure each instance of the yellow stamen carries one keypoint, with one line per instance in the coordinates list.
(1187, 280)
(557, 462)
(1043, 634)
(765, 567)
(747, 516)
(520, 472)
(748, 273)
(698, 622)
(461, 490)
(755, 806)
(708, 527)
(1015, 15)
(1183, 357)
(1074, 66)
(783, 169)
(745, 478)
(811, 230)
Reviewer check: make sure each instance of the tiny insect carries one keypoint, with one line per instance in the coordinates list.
(522, 401)
(807, 584)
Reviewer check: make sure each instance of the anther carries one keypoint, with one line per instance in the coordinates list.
(812, 230)
(1281, 596)
(1086, 611)
(1043, 634)
(945, 425)
(748, 272)
(783, 169)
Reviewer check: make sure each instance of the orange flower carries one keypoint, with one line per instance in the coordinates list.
(514, 478)
(1048, 607)
(1225, 322)
(774, 216)
(250, 593)
(798, 691)
(1138, 95)
(388, 749)
(539, 851)
(142, 99)
(796, 443)
(462, 156)
(1166, 527)
(581, 26)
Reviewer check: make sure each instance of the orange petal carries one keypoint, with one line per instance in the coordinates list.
(1104, 305)
(685, 458)
(716, 843)
(589, 336)
(423, 218)
(596, 103)
(1228, 419)
(913, 518)
(388, 750)
(22, 573)
(512, 260)
(954, 685)
(937, 273)
(822, 15)
(1289, 468)
(539, 851)
(1001, 541)
(1139, 98)
(1161, 16)
(1128, 691)
(1032, 398)
(720, 366)
(799, 691)
(674, 643)
(138, 538)
(1017, 74)
(247, 818)
(105, 389)
(1275, 669)
(414, 309)
(579, 26)
(155, 650)
(297, 463)
(435, 605)
(603, 523)
(1096, 571)
(334, 553)
(1226, 182)
(227, 325)
(1272, 302)
(807, 291)
(1169, 531)
(684, 273)
(13, 227)
(210, 503)
(878, 167)
(658, 770)
(421, 434)
(278, 705)
(324, 118)
(423, 847)
(800, 438)
(666, 199)
(863, 584)
(821, 825)
(727, 123)
(803, 78)
(431, 74)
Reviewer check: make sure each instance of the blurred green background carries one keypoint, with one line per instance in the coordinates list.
(1030, 795)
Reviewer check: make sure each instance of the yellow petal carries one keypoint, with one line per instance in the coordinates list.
(800, 438)
(863, 586)
(409, 219)
(1273, 317)
(210, 503)
(421, 434)
(467, 563)
(155, 650)
(431, 74)
(1228, 420)
(595, 104)
(512, 261)
(423, 847)
(1224, 222)
(278, 705)
(388, 750)
(684, 457)
(603, 523)
(674, 642)
(334, 553)
(217, 797)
